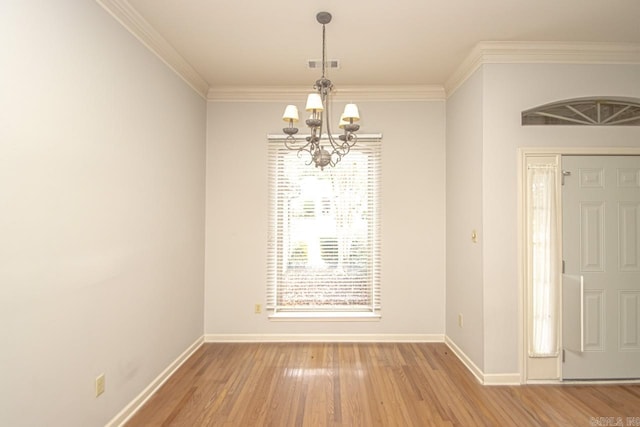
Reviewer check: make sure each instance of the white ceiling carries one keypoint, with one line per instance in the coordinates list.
(378, 42)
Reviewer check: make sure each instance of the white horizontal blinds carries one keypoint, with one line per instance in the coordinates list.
(324, 240)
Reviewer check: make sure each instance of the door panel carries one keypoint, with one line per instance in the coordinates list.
(594, 332)
(629, 229)
(601, 245)
(630, 320)
(592, 236)
(572, 313)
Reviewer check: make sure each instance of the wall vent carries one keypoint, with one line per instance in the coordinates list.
(317, 64)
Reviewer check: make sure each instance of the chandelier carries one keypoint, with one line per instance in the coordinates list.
(318, 105)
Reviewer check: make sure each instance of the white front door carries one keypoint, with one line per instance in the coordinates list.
(601, 254)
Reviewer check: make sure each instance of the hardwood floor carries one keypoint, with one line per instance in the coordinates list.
(385, 384)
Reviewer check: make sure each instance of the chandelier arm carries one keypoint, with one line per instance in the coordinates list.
(350, 140)
(308, 150)
(346, 148)
(310, 157)
(292, 140)
(337, 157)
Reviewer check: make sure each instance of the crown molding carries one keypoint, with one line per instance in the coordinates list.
(343, 93)
(130, 19)
(541, 53)
(482, 53)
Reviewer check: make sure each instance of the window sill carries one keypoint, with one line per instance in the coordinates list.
(324, 317)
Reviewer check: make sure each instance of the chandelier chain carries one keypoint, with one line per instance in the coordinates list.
(324, 50)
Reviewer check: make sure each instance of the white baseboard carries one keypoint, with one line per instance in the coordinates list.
(596, 382)
(221, 338)
(141, 399)
(477, 372)
(485, 379)
(502, 379)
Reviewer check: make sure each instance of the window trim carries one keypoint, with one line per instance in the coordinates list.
(275, 314)
(333, 316)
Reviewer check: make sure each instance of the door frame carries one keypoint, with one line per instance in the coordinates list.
(547, 369)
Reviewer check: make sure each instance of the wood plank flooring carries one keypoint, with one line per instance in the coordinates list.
(381, 384)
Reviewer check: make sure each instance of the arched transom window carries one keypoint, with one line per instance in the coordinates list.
(586, 111)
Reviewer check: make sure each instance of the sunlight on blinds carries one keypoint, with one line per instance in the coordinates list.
(324, 241)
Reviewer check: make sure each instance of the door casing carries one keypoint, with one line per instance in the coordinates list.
(547, 370)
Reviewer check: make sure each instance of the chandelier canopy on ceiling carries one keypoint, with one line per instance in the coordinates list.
(318, 105)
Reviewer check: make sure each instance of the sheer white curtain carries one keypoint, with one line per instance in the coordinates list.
(541, 179)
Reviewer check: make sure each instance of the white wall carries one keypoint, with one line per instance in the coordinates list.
(101, 214)
(464, 214)
(102, 211)
(413, 218)
(483, 134)
(508, 90)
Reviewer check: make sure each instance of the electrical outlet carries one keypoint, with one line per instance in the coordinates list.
(100, 384)
(460, 320)
(257, 309)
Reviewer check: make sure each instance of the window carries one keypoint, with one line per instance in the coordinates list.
(543, 273)
(324, 233)
(586, 111)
